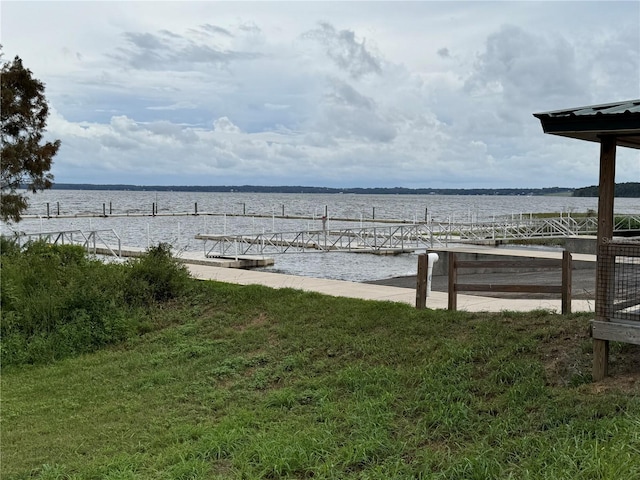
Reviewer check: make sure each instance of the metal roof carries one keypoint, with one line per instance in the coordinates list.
(620, 119)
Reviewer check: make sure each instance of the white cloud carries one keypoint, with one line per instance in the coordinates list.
(326, 93)
(223, 124)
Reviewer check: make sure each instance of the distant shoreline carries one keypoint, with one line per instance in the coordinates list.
(556, 191)
(622, 190)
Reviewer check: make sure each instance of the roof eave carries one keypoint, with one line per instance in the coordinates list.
(625, 127)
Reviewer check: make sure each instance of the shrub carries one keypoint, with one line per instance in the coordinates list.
(8, 246)
(156, 277)
(57, 302)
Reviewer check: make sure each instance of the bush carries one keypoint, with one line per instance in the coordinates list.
(156, 277)
(8, 246)
(57, 302)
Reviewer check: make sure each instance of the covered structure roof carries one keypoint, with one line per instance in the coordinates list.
(610, 124)
(619, 119)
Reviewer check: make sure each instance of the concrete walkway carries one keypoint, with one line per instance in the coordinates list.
(338, 288)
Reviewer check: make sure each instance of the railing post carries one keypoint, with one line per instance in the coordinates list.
(566, 282)
(421, 281)
(452, 280)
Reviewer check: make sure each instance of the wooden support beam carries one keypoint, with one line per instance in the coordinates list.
(504, 287)
(604, 270)
(453, 277)
(421, 282)
(566, 282)
(617, 332)
(519, 264)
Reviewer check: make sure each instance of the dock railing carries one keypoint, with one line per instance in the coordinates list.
(106, 239)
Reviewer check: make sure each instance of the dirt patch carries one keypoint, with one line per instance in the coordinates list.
(568, 361)
(626, 383)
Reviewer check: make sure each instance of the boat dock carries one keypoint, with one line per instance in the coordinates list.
(107, 242)
(197, 258)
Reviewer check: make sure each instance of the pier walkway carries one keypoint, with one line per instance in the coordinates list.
(339, 288)
(401, 238)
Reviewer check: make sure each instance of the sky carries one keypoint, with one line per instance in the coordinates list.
(419, 94)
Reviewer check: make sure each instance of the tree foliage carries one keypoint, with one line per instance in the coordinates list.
(26, 160)
(621, 190)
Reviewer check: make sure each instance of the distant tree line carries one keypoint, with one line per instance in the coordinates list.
(306, 189)
(631, 190)
(627, 190)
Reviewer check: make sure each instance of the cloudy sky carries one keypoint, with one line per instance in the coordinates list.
(341, 94)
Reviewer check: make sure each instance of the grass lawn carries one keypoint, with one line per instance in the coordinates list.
(250, 382)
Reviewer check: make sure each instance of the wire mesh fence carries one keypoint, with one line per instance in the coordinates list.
(618, 289)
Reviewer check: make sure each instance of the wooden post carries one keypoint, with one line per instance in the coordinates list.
(604, 265)
(195, 208)
(153, 209)
(110, 208)
(104, 209)
(421, 281)
(373, 213)
(48, 216)
(566, 282)
(453, 274)
(58, 205)
(283, 210)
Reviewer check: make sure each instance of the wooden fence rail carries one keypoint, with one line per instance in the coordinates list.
(564, 290)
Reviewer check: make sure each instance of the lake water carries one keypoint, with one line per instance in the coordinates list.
(181, 230)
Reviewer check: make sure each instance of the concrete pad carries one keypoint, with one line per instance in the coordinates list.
(338, 288)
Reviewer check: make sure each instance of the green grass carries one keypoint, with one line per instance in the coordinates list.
(250, 382)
